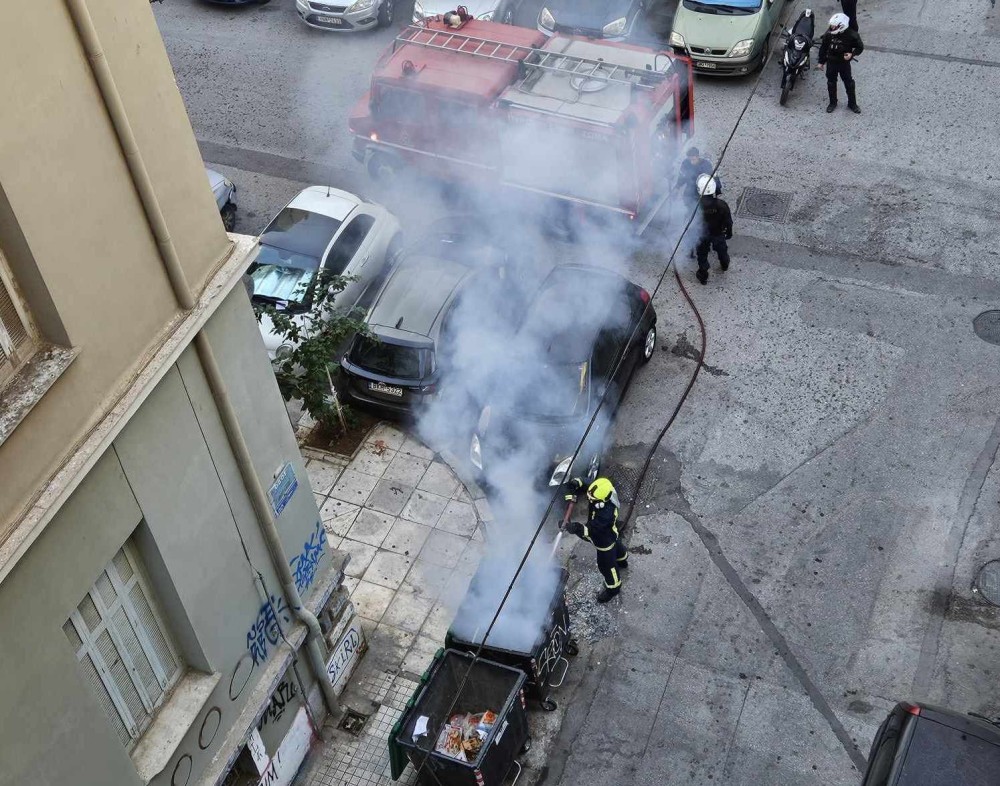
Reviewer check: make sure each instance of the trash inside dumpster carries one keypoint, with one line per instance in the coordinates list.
(465, 724)
(539, 648)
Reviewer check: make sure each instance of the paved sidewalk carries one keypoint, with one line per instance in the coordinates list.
(415, 536)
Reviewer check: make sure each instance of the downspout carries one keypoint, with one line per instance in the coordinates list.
(90, 41)
(87, 34)
(314, 651)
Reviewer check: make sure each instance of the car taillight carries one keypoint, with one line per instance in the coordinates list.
(644, 296)
(913, 709)
(429, 389)
(373, 136)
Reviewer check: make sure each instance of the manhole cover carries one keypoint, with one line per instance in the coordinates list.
(987, 326)
(353, 722)
(764, 205)
(988, 582)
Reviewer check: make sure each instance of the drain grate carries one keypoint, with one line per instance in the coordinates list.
(764, 205)
(988, 582)
(353, 722)
(987, 326)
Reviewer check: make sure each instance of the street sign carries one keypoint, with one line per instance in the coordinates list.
(282, 488)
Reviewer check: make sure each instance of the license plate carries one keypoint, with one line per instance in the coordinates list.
(381, 387)
(705, 64)
(330, 20)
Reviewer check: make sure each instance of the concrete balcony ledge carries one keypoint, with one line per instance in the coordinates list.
(31, 383)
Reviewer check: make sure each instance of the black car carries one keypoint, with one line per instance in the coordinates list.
(446, 286)
(920, 745)
(610, 19)
(585, 333)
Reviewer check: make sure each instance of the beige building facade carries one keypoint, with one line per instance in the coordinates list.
(168, 600)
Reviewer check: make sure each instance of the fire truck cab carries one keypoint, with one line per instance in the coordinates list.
(592, 122)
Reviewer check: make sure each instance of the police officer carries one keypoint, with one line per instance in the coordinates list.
(716, 227)
(692, 167)
(601, 529)
(839, 46)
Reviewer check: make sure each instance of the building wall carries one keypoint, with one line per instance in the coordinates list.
(172, 471)
(71, 223)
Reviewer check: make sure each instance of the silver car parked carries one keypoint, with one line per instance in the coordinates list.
(225, 197)
(484, 10)
(346, 15)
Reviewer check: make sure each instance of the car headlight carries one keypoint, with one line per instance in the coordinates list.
(487, 17)
(476, 452)
(546, 20)
(560, 472)
(360, 5)
(742, 48)
(228, 183)
(615, 28)
(283, 352)
(676, 39)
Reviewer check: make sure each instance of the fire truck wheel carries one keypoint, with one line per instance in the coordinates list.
(572, 648)
(382, 167)
(385, 13)
(548, 705)
(526, 747)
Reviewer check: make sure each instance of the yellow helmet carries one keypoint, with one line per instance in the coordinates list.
(600, 490)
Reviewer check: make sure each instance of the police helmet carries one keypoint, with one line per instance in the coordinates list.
(706, 185)
(839, 23)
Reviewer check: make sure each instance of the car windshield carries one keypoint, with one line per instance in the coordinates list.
(723, 6)
(283, 278)
(391, 360)
(557, 391)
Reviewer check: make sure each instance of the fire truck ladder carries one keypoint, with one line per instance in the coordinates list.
(533, 59)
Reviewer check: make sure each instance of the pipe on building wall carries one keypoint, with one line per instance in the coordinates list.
(315, 654)
(87, 34)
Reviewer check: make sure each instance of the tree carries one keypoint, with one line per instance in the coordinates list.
(317, 338)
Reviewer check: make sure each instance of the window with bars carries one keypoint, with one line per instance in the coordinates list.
(122, 646)
(17, 338)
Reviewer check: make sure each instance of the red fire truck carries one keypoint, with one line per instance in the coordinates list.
(593, 122)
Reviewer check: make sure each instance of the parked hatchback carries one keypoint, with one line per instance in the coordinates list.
(445, 288)
(920, 745)
(346, 16)
(583, 337)
(321, 228)
(610, 19)
(725, 37)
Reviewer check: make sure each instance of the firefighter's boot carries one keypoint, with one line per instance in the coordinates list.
(852, 99)
(831, 88)
(702, 276)
(607, 594)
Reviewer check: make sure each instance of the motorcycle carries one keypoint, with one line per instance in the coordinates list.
(798, 45)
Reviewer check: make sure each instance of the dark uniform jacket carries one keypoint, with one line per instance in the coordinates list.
(717, 217)
(689, 173)
(834, 46)
(601, 528)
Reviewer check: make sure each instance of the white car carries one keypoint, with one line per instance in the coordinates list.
(321, 227)
(485, 10)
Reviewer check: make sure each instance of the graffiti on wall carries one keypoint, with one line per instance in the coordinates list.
(266, 631)
(280, 699)
(306, 563)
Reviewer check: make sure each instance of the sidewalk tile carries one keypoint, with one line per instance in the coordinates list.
(416, 448)
(370, 527)
(389, 496)
(439, 479)
(350, 584)
(459, 518)
(387, 433)
(371, 461)
(388, 569)
(321, 475)
(401, 637)
(425, 508)
(468, 563)
(438, 621)
(421, 655)
(334, 540)
(353, 487)
(485, 512)
(338, 516)
(408, 611)
(406, 537)
(457, 586)
(406, 469)
(443, 549)
(371, 600)
(426, 579)
(479, 536)
(362, 555)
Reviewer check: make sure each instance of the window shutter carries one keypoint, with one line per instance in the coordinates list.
(15, 340)
(120, 678)
(143, 670)
(107, 704)
(149, 625)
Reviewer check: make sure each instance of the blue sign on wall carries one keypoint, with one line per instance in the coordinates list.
(282, 489)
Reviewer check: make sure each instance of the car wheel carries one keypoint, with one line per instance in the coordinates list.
(228, 214)
(508, 17)
(385, 13)
(382, 167)
(593, 469)
(765, 55)
(649, 344)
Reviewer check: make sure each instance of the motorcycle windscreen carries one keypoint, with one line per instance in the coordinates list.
(559, 159)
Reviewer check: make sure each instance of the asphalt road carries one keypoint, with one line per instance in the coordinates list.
(805, 545)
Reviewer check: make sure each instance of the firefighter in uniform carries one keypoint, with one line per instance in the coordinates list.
(601, 529)
(839, 46)
(717, 227)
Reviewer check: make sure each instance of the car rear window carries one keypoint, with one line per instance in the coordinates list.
(300, 232)
(939, 755)
(392, 360)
